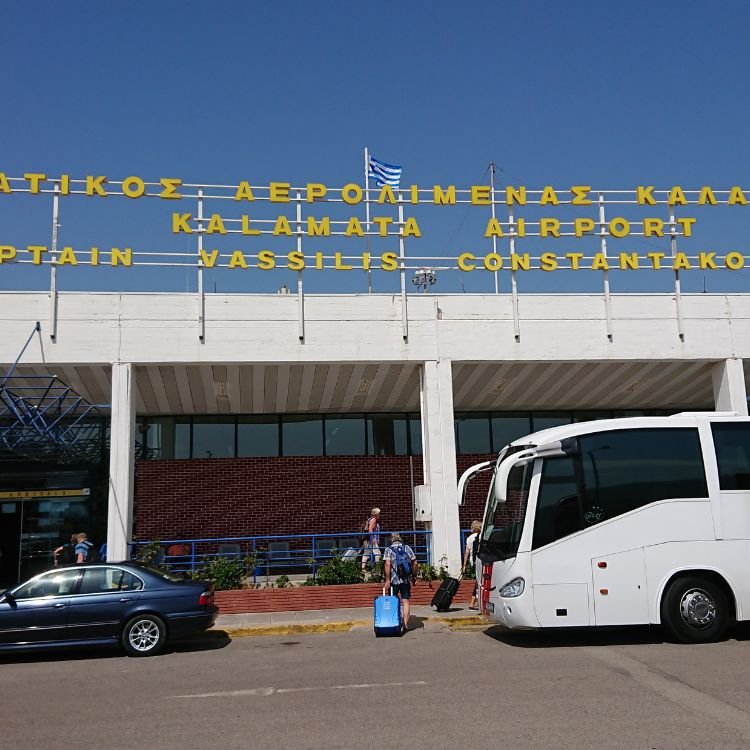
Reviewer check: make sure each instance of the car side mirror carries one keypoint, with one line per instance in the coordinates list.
(9, 598)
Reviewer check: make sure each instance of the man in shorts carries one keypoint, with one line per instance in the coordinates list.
(400, 570)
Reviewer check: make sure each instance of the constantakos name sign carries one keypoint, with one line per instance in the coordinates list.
(513, 217)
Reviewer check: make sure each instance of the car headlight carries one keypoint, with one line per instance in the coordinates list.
(513, 588)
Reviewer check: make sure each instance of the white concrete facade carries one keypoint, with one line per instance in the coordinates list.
(121, 461)
(570, 354)
(439, 460)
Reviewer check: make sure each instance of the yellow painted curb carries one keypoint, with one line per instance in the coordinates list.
(323, 627)
(464, 623)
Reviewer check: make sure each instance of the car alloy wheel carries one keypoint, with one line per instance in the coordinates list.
(144, 635)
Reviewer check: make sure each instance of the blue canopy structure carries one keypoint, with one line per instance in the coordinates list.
(42, 418)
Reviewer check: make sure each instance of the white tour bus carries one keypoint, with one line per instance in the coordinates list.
(620, 522)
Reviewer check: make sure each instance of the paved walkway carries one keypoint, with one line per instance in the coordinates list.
(329, 619)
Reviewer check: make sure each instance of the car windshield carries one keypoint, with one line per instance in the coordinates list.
(503, 522)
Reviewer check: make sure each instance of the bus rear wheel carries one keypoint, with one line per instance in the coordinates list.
(695, 609)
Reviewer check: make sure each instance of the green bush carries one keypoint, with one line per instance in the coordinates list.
(150, 554)
(283, 582)
(377, 574)
(427, 572)
(338, 571)
(225, 572)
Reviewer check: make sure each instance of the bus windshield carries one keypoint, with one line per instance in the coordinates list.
(503, 522)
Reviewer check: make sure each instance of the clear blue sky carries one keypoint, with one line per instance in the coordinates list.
(611, 95)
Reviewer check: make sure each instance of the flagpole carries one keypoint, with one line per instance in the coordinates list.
(494, 234)
(367, 216)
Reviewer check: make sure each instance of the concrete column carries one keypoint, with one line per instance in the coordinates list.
(729, 386)
(439, 458)
(121, 461)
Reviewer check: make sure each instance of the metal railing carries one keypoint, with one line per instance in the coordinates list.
(277, 555)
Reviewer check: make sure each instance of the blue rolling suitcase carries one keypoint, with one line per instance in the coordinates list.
(388, 619)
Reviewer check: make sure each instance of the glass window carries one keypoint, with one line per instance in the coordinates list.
(258, 436)
(57, 583)
(302, 436)
(508, 427)
(182, 437)
(558, 508)
(159, 437)
(129, 582)
(415, 435)
(386, 435)
(107, 580)
(345, 436)
(473, 433)
(627, 469)
(732, 443)
(545, 420)
(213, 437)
(100, 581)
(590, 416)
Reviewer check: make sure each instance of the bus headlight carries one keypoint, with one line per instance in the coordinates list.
(513, 589)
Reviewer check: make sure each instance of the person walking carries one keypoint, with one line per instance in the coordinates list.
(371, 539)
(470, 557)
(65, 553)
(401, 571)
(83, 549)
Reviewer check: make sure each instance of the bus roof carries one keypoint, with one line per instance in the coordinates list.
(683, 419)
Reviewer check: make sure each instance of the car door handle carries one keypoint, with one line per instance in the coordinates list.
(126, 599)
(60, 606)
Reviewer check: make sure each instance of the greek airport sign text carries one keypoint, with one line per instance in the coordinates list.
(354, 227)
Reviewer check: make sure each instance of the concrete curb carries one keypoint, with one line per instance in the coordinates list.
(291, 629)
(454, 623)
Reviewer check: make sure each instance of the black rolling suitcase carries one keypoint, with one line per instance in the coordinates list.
(443, 597)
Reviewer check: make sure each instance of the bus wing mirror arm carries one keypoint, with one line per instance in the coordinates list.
(503, 471)
(468, 474)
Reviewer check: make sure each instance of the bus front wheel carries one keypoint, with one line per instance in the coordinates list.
(695, 609)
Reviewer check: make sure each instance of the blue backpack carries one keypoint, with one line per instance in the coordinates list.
(403, 565)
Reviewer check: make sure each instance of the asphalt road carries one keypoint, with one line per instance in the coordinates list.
(431, 689)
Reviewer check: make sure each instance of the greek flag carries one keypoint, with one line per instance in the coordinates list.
(383, 174)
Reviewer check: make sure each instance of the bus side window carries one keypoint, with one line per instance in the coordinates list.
(732, 443)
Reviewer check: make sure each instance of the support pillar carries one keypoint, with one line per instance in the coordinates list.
(439, 461)
(730, 393)
(121, 462)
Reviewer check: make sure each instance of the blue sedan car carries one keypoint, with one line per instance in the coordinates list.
(129, 603)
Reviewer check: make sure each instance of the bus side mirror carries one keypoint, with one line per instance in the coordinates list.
(558, 449)
(503, 472)
(468, 474)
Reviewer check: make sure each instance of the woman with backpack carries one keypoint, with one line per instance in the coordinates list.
(371, 539)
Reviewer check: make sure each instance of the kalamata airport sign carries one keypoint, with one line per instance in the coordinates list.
(356, 227)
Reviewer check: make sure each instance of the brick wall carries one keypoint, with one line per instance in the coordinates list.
(285, 495)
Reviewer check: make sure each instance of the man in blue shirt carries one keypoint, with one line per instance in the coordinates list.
(83, 549)
(400, 570)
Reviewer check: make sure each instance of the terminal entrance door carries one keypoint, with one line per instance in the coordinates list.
(33, 524)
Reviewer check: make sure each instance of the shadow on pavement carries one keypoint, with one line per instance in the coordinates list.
(209, 641)
(415, 623)
(576, 637)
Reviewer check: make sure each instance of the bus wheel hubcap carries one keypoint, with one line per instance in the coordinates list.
(698, 609)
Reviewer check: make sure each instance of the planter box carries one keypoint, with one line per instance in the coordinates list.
(300, 598)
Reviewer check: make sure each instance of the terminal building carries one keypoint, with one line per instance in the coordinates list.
(235, 415)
